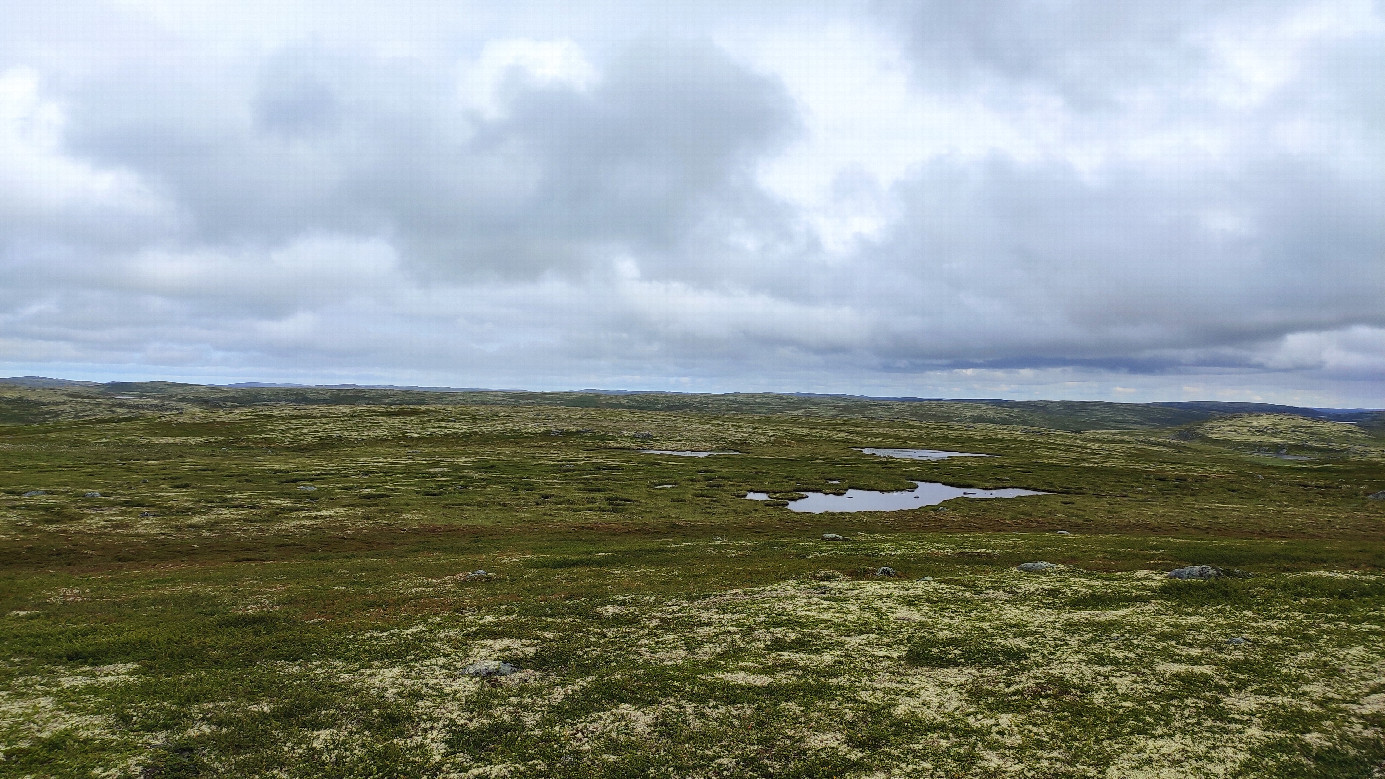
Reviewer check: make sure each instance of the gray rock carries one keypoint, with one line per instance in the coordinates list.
(925, 578)
(1063, 533)
(1036, 567)
(833, 537)
(885, 570)
(307, 488)
(478, 575)
(1376, 496)
(91, 494)
(35, 493)
(484, 668)
(1195, 572)
(1237, 641)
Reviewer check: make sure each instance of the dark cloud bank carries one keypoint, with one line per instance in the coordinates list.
(1157, 203)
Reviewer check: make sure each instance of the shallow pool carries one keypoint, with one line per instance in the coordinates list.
(682, 454)
(918, 454)
(927, 493)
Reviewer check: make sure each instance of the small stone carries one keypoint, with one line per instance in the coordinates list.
(1237, 641)
(925, 578)
(91, 494)
(485, 668)
(147, 514)
(307, 488)
(885, 571)
(833, 537)
(35, 493)
(1195, 572)
(1036, 567)
(478, 575)
(1376, 496)
(1063, 533)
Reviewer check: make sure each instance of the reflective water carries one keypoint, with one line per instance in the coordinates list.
(928, 493)
(918, 454)
(682, 454)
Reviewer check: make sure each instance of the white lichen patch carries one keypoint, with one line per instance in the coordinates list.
(41, 706)
(979, 666)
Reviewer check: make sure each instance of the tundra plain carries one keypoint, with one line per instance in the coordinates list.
(289, 582)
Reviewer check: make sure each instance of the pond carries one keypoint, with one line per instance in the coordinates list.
(918, 454)
(682, 454)
(927, 493)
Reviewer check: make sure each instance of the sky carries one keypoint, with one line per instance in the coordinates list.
(1007, 199)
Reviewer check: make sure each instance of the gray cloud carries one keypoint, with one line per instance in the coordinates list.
(317, 140)
(1170, 196)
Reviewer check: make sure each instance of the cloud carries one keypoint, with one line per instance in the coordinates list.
(904, 198)
(544, 164)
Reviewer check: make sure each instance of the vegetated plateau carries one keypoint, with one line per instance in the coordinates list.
(302, 582)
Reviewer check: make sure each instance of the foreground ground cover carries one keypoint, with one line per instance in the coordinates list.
(284, 589)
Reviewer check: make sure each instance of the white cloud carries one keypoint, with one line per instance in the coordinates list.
(925, 198)
(38, 181)
(538, 63)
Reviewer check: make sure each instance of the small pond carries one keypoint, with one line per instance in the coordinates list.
(682, 454)
(927, 493)
(918, 454)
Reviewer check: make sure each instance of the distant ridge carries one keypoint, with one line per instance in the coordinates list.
(399, 387)
(43, 382)
(1048, 411)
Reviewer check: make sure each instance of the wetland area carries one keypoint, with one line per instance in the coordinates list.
(205, 581)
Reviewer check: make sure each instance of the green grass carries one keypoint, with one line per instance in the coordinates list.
(208, 617)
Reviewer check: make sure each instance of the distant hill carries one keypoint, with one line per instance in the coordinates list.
(45, 382)
(33, 399)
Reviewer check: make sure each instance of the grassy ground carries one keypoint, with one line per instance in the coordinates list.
(281, 589)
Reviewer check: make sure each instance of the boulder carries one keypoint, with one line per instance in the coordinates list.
(1376, 496)
(1036, 567)
(833, 537)
(885, 571)
(1195, 572)
(485, 668)
(35, 493)
(307, 488)
(91, 494)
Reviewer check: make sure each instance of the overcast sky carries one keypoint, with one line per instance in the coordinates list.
(1082, 199)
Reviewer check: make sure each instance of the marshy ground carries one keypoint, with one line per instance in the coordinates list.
(281, 583)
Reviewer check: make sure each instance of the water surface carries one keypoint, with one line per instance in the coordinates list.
(918, 454)
(682, 454)
(927, 493)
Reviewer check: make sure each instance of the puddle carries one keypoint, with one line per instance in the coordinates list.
(928, 493)
(682, 454)
(918, 454)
